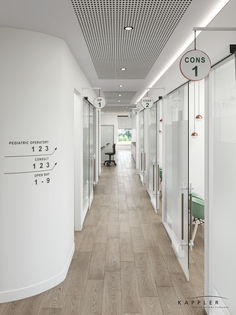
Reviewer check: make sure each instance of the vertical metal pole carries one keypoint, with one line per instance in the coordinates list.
(191, 215)
(182, 216)
(153, 177)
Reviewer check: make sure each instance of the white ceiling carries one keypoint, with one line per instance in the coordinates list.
(57, 17)
(118, 108)
(120, 98)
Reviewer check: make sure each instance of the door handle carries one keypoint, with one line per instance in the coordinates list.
(158, 177)
(182, 216)
(141, 161)
(94, 170)
(153, 177)
(144, 161)
(191, 215)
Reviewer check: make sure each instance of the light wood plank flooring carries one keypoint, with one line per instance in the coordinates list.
(124, 263)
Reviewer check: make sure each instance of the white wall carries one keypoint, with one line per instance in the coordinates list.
(110, 119)
(38, 77)
(124, 122)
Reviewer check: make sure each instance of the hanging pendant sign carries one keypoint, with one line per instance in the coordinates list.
(195, 65)
(147, 102)
(99, 102)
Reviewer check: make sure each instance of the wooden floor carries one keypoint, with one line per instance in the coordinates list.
(124, 263)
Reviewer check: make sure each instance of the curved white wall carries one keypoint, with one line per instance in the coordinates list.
(37, 80)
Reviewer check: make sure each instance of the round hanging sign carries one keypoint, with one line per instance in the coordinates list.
(147, 102)
(99, 102)
(195, 65)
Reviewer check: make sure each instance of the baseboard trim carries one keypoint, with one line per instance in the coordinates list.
(22, 293)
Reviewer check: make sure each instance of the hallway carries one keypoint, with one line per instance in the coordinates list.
(123, 264)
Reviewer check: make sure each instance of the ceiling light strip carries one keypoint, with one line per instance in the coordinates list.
(180, 51)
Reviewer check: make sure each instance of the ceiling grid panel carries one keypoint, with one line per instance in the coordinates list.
(111, 47)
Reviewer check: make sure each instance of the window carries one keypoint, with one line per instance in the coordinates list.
(124, 135)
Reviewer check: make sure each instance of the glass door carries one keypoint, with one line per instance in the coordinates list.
(91, 152)
(86, 157)
(176, 182)
(141, 145)
(221, 178)
(154, 163)
(152, 155)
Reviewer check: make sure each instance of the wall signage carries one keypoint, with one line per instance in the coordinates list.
(99, 102)
(195, 65)
(35, 158)
(147, 102)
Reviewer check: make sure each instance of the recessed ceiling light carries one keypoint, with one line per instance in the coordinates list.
(123, 68)
(118, 101)
(128, 28)
(119, 95)
(121, 85)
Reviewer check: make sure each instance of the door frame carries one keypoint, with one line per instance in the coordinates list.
(78, 160)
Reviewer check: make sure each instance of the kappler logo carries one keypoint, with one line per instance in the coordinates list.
(205, 302)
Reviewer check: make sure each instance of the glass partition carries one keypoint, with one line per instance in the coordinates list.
(141, 144)
(152, 154)
(85, 156)
(221, 214)
(175, 173)
(91, 152)
(88, 153)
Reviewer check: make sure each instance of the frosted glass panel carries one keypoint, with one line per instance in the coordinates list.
(152, 147)
(88, 154)
(222, 182)
(85, 156)
(175, 211)
(141, 141)
(91, 152)
(153, 185)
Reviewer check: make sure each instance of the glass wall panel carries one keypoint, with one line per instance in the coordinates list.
(152, 155)
(91, 152)
(158, 154)
(89, 137)
(141, 143)
(175, 154)
(222, 184)
(85, 156)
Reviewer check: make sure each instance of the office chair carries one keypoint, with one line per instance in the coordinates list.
(110, 161)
